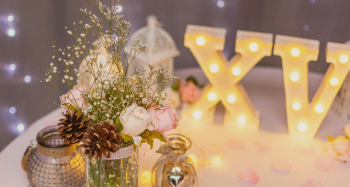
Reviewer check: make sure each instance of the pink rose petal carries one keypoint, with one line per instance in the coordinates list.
(235, 143)
(325, 162)
(313, 182)
(262, 145)
(281, 165)
(249, 176)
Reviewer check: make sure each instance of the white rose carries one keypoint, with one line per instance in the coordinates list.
(340, 148)
(173, 97)
(135, 120)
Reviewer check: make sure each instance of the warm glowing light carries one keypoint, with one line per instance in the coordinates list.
(146, 177)
(20, 127)
(10, 18)
(211, 96)
(294, 77)
(295, 52)
(334, 81)
(236, 71)
(343, 58)
(200, 41)
(302, 127)
(214, 68)
(253, 47)
(197, 114)
(27, 79)
(194, 158)
(231, 99)
(11, 32)
(242, 120)
(296, 106)
(216, 160)
(319, 108)
(12, 67)
(220, 4)
(12, 110)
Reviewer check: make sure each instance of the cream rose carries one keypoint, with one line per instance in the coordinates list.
(135, 120)
(340, 148)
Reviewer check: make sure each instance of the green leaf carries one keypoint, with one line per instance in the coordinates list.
(193, 80)
(175, 86)
(150, 141)
(157, 135)
(126, 138)
(119, 125)
(71, 107)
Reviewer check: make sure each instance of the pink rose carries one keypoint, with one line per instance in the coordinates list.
(74, 98)
(189, 91)
(339, 148)
(164, 119)
(347, 130)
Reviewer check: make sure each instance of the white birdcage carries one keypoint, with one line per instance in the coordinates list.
(160, 48)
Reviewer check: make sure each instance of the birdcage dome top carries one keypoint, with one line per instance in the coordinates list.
(159, 44)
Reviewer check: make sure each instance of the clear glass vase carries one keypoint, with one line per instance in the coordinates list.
(121, 170)
(174, 168)
(53, 163)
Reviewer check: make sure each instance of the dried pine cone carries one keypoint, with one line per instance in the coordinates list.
(73, 127)
(101, 138)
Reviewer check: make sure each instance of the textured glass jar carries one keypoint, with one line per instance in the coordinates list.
(174, 168)
(121, 170)
(52, 163)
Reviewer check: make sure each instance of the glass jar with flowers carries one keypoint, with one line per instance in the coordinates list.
(108, 111)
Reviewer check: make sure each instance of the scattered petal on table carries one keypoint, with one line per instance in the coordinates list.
(313, 182)
(235, 143)
(305, 150)
(262, 145)
(281, 165)
(249, 176)
(325, 162)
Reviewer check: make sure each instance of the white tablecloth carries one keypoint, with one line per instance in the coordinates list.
(266, 90)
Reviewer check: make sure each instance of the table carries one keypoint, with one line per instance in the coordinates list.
(266, 90)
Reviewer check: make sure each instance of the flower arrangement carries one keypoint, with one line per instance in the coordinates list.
(340, 147)
(106, 108)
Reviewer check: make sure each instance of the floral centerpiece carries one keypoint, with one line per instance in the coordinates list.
(108, 111)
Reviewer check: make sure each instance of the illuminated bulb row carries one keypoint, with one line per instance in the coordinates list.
(253, 47)
(295, 77)
(319, 108)
(231, 98)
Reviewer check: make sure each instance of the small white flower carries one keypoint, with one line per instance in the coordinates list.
(63, 81)
(53, 56)
(82, 35)
(70, 32)
(66, 77)
(51, 64)
(71, 78)
(71, 62)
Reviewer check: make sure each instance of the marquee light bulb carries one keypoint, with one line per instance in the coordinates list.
(27, 79)
(236, 71)
(296, 106)
(216, 160)
(343, 58)
(253, 47)
(231, 99)
(200, 41)
(295, 52)
(214, 68)
(11, 32)
(294, 77)
(319, 108)
(211, 96)
(302, 127)
(146, 177)
(12, 67)
(20, 127)
(10, 18)
(334, 81)
(197, 114)
(242, 120)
